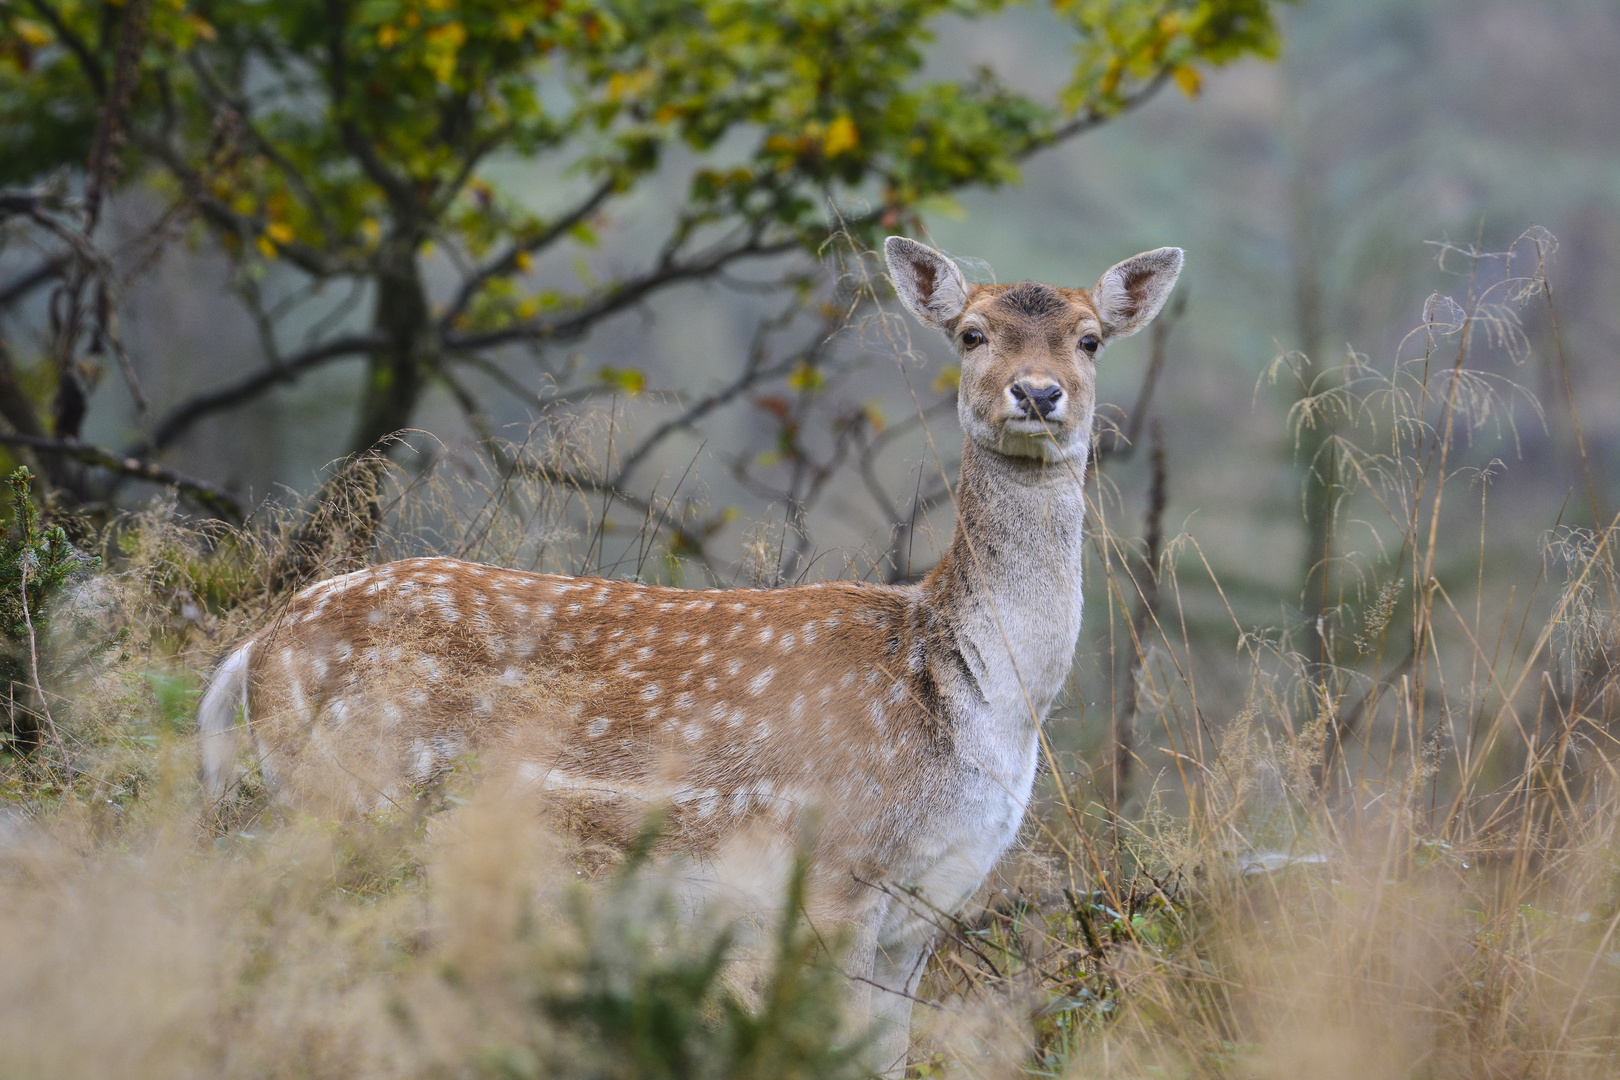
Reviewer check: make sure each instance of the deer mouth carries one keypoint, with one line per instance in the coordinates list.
(1050, 428)
(1043, 440)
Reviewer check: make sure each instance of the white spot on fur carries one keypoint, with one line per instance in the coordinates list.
(758, 683)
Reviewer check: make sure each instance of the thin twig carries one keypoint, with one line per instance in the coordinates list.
(33, 663)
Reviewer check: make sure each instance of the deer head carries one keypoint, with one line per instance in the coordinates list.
(1029, 350)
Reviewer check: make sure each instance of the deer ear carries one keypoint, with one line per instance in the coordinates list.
(1131, 293)
(928, 283)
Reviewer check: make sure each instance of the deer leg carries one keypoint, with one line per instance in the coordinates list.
(896, 970)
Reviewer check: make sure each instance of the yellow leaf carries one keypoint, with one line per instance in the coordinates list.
(806, 378)
(280, 233)
(203, 28)
(629, 380)
(873, 412)
(948, 379)
(266, 248)
(33, 33)
(523, 262)
(372, 230)
(1110, 79)
(666, 113)
(453, 34)
(386, 36)
(842, 137)
(1188, 80)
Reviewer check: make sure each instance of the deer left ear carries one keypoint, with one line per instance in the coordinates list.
(1131, 293)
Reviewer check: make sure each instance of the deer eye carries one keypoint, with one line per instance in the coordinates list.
(972, 338)
(1091, 343)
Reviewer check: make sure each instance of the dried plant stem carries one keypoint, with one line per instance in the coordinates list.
(33, 666)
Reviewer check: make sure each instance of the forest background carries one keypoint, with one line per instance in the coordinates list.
(621, 254)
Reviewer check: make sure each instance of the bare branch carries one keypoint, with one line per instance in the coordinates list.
(620, 296)
(205, 494)
(181, 418)
(1116, 445)
(19, 288)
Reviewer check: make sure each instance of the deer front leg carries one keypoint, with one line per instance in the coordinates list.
(896, 970)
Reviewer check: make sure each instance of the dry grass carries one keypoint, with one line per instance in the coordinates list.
(1392, 854)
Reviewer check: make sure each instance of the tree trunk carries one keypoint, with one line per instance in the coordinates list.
(398, 372)
(1315, 449)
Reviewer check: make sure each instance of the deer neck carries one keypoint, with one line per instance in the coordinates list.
(1009, 585)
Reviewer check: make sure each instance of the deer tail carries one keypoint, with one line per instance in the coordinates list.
(216, 721)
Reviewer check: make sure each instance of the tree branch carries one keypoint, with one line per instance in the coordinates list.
(506, 263)
(93, 70)
(222, 95)
(1116, 445)
(181, 418)
(624, 294)
(399, 192)
(311, 260)
(754, 372)
(205, 494)
(20, 287)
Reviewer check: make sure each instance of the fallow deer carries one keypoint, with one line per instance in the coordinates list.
(898, 723)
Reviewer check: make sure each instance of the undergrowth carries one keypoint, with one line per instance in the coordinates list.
(1392, 853)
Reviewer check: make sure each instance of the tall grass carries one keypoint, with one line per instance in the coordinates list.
(1386, 850)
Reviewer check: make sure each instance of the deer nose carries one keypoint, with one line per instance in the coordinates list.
(1036, 402)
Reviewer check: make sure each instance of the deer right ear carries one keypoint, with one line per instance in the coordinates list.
(928, 283)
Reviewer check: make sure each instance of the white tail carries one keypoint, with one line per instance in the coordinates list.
(216, 721)
(902, 722)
